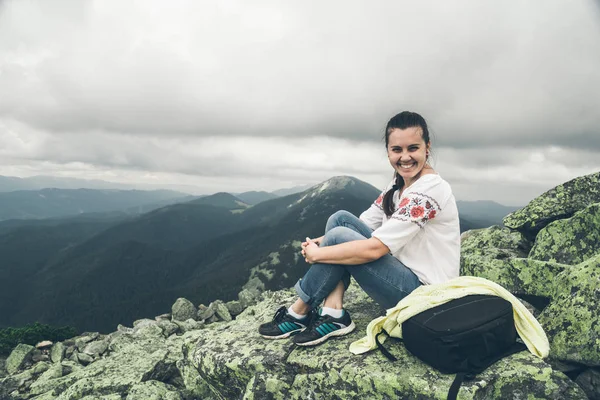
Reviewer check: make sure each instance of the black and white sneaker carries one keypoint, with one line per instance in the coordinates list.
(283, 325)
(323, 327)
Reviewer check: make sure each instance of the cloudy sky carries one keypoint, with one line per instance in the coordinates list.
(260, 95)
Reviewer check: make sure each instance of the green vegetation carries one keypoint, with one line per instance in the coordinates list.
(32, 334)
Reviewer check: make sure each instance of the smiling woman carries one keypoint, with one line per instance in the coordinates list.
(409, 237)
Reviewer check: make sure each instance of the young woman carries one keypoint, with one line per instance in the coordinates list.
(409, 237)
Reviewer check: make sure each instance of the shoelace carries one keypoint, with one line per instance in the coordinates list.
(279, 314)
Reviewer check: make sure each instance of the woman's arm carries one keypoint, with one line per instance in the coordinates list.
(349, 253)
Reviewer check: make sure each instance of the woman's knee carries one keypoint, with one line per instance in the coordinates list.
(341, 234)
(337, 218)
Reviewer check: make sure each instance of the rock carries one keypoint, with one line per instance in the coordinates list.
(254, 284)
(46, 382)
(222, 311)
(590, 383)
(213, 319)
(40, 368)
(560, 202)
(183, 309)
(97, 348)
(82, 340)
(18, 357)
(248, 297)
(38, 356)
(207, 312)
(494, 243)
(571, 319)
(234, 307)
(235, 363)
(168, 327)
(189, 325)
(137, 359)
(13, 382)
(85, 359)
(149, 331)
(517, 275)
(57, 352)
(69, 351)
(43, 345)
(162, 317)
(144, 322)
(124, 329)
(571, 240)
(153, 390)
(87, 337)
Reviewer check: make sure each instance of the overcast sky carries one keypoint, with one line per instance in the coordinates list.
(260, 95)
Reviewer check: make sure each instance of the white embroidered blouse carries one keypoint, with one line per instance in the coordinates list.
(424, 232)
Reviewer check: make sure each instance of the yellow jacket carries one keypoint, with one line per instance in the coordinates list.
(428, 296)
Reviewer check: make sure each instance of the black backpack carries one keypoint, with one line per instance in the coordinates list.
(463, 336)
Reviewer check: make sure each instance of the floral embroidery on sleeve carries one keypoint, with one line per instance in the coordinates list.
(379, 200)
(418, 208)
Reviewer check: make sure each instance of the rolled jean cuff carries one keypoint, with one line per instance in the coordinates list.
(302, 295)
(312, 301)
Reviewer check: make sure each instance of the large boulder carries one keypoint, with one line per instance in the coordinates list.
(237, 362)
(18, 357)
(520, 276)
(572, 320)
(494, 242)
(183, 309)
(560, 202)
(571, 240)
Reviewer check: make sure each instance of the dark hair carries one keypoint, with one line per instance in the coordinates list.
(404, 120)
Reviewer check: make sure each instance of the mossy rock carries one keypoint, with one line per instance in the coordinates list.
(520, 276)
(558, 203)
(571, 240)
(571, 321)
(236, 362)
(494, 242)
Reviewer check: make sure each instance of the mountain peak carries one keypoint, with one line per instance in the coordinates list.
(335, 183)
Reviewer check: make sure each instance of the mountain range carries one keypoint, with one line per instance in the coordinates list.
(95, 270)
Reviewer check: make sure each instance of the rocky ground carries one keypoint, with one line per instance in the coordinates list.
(548, 254)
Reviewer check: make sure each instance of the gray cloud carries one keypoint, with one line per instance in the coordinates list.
(200, 89)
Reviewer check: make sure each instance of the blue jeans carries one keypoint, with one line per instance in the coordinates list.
(386, 280)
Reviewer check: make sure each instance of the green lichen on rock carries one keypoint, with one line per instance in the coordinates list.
(571, 319)
(571, 240)
(153, 390)
(235, 361)
(494, 242)
(517, 275)
(18, 357)
(560, 202)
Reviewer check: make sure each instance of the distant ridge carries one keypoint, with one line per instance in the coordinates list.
(255, 197)
(13, 183)
(48, 203)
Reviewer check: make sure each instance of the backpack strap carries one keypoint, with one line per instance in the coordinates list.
(458, 380)
(462, 376)
(385, 352)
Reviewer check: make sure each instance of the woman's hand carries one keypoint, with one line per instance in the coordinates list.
(317, 241)
(310, 248)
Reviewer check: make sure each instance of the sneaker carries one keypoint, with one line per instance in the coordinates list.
(283, 325)
(323, 327)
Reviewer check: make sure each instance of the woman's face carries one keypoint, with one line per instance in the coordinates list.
(407, 152)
